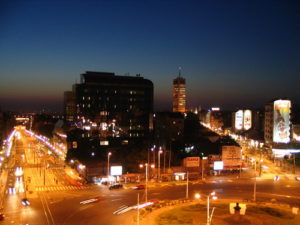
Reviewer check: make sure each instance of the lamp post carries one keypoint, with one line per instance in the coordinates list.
(187, 185)
(213, 196)
(254, 188)
(153, 150)
(108, 156)
(146, 172)
(158, 155)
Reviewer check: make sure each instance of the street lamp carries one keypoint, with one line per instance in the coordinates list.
(254, 187)
(158, 155)
(146, 171)
(108, 156)
(212, 196)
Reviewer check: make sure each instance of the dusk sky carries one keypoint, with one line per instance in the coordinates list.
(232, 53)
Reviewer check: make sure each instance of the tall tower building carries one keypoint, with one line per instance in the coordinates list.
(179, 95)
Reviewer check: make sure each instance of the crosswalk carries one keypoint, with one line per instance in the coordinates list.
(61, 188)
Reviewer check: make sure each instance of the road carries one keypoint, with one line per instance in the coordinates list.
(55, 202)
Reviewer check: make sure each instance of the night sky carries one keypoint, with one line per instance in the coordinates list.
(232, 53)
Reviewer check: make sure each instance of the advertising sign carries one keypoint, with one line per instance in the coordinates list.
(116, 170)
(192, 161)
(247, 119)
(239, 120)
(231, 156)
(281, 128)
(218, 165)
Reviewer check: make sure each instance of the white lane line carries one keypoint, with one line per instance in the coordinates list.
(118, 199)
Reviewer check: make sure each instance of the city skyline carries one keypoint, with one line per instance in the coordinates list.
(232, 54)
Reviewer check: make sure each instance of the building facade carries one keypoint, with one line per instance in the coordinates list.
(69, 106)
(121, 104)
(179, 95)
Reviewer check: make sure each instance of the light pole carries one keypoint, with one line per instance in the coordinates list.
(158, 155)
(202, 166)
(254, 188)
(187, 185)
(170, 155)
(294, 163)
(214, 197)
(153, 150)
(108, 156)
(138, 209)
(146, 172)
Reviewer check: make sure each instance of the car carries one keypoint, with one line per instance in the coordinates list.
(297, 178)
(2, 216)
(25, 202)
(115, 186)
(139, 187)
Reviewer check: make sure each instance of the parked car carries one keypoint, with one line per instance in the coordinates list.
(2, 216)
(297, 178)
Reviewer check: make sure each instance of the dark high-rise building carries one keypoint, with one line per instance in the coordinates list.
(69, 105)
(179, 95)
(122, 104)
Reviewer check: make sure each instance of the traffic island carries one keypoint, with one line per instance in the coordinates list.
(196, 214)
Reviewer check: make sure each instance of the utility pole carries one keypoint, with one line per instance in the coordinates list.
(294, 170)
(254, 188)
(138, 210)
(202, 168)
(146, 189)
(170, 155)
(165, 161)
(187, 185)
(208, 219)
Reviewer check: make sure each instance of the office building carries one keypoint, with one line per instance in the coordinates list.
(122, 105)
(179, 94)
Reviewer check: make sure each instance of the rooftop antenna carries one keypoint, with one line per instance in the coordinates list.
(179, 71)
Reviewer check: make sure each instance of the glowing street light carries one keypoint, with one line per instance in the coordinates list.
(146, 171)
(158, 155)
(212, 196)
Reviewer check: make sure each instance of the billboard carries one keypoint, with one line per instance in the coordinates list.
(192, 161)
(218, 165)
(247, 119)
(281, 121)
(239, 120)
(231, 156)
(116, 170)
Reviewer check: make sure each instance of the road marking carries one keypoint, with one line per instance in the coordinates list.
(118, 199)
(279, 195)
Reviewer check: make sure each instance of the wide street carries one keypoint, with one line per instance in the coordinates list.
(53, 201)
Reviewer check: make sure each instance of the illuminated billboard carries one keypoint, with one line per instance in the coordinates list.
(192, 161)
(218, 165)
(247, 119)
(239, 120)
(116, 170)
(231, 156)
(281, 127)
